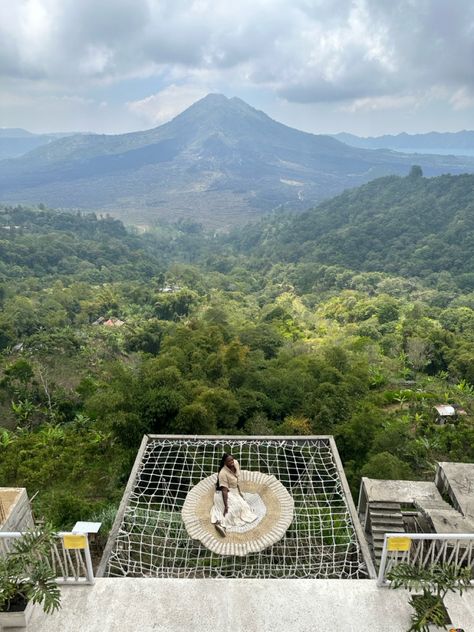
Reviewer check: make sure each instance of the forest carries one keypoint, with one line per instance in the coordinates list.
(354, 319)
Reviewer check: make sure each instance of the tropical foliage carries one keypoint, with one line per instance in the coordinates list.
(26, 574)
(106, 334)
(434, 582)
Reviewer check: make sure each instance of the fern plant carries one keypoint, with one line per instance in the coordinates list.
(26, 574)
(434, 582)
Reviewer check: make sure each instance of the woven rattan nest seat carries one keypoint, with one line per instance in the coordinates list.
(276, 517)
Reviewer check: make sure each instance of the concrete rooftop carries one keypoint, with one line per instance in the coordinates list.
(404, 492)
(460, 477)
(250, 605)
(426, 496)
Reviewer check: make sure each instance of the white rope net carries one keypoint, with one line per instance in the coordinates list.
(320, 543)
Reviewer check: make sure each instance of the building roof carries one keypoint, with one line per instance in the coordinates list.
(404, 492)
(425, 496)
(445, 410)
(114, 322)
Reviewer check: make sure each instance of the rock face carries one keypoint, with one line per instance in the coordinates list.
(220, 162)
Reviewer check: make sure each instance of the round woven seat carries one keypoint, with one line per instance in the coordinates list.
(271, 526)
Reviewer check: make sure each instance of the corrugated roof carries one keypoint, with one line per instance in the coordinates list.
(445, 410)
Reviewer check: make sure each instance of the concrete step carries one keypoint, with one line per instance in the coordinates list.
(385, 505)
(386, 520)
(396, 528)
(384, 517)
(388, 528)
(385, 514)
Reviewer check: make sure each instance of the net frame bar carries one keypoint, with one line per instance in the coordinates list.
(292, 440)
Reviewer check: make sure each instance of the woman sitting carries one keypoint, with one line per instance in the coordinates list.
(230, 508)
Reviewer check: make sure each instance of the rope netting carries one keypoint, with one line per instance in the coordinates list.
(320, 543)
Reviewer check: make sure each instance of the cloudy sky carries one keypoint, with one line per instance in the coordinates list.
(364, 66)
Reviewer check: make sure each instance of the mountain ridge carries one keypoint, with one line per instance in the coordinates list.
(16, 141)
(220, 162)
(431, 142)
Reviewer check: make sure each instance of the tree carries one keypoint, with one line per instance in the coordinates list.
(294, 425)
(416, 172)
(195, 419)
(386, 466)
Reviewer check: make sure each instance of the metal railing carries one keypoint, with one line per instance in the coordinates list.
(424, 549)
(71, 564)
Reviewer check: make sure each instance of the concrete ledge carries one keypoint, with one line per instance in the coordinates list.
(250, 605)
(16, 511)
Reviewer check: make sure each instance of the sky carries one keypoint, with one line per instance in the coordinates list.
(368, 67)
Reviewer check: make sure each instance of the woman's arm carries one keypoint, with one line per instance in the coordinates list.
(225, 493)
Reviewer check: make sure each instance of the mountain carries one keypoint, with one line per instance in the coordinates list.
(220, 162)
(410, 226)
(453, 143)
(15, 142)
(15, 132)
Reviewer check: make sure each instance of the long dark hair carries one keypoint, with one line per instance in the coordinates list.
(221, 465)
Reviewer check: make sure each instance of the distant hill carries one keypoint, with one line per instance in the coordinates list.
(453, 143)
(220, 162)
(46, 244)
(15, 132)
(410, 226)
(15, 142)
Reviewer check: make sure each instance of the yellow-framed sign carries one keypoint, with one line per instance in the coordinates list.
(398, 543)
(73, 541)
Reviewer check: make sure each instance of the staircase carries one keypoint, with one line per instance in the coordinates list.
(384, 517)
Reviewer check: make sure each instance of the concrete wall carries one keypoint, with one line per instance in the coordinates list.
(444, 486)
(16, 514)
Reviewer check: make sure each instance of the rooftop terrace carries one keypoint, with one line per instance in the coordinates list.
(207, 605)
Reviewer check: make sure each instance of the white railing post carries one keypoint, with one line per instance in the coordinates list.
(383, 563)
(90, 569)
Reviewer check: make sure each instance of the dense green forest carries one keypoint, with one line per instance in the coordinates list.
(353, 319)
(411, 226)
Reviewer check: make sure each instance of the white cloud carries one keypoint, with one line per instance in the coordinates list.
(363, 55)
(163, 106)
(462, 99)
(382, 103)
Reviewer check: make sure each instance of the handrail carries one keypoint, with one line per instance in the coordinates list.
(74, 564)
(444, 548)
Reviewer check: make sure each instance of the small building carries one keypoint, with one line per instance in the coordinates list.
(108, 322)
(394, 506)
(446, 413)
(114, 322)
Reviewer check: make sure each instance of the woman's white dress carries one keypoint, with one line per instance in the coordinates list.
(239, 512)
